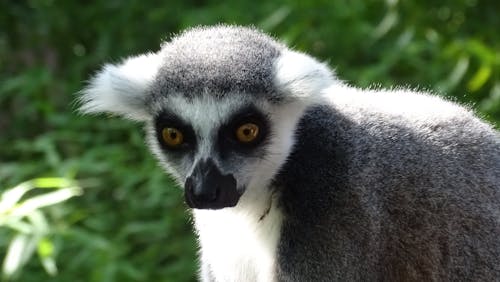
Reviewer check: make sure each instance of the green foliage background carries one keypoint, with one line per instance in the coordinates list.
(131, 224)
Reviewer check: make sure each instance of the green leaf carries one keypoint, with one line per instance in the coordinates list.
(387, 23)
(12, 196)
(49, 264)
(45, 248)
(275, 19)
(456, 75)
(479, 79)
(47, 255)
(52, 182)
(44, 200)
(19, 251)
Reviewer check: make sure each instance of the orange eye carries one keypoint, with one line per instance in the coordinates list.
(172, 136)
(247, 132)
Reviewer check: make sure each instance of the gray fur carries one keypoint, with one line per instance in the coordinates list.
(222, 60)
(368, 192)
(396, 202)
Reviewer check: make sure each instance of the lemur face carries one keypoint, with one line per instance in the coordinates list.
(214, 146)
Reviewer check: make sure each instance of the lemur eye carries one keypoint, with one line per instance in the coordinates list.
(172, 136)
(247, 132)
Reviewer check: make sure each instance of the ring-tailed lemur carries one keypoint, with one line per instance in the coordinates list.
(294, 175)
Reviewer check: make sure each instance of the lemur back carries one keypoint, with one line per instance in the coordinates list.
(391, 199)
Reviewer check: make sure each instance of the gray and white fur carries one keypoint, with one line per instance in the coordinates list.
(346, 184)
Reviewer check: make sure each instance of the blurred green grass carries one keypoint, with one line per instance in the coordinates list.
(130, 223)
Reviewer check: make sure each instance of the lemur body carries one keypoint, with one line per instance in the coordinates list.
(295, 176)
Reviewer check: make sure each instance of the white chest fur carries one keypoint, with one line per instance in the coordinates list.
(237, 245)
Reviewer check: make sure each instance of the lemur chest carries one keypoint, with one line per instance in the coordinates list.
(238, 246)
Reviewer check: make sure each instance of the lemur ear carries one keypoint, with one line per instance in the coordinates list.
(302, 76)
(122, 89)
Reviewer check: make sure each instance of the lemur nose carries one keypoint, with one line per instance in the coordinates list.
(208, 188)
(201, 192)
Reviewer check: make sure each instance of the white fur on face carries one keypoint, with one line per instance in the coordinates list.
(206, 114)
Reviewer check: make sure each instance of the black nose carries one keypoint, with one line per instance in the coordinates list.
(208, 188)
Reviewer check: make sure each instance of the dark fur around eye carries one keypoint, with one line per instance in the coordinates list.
(227, 141)
(166, 119)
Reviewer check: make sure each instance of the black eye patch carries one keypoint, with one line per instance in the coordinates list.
(167, 119)
(227, 140)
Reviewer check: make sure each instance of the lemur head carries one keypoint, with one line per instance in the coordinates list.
(220, 105)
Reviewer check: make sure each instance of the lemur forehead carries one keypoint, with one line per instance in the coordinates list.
(206, 112)
(219, 60)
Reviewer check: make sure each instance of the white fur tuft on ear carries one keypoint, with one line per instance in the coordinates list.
(301, 75)
(122, 89)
